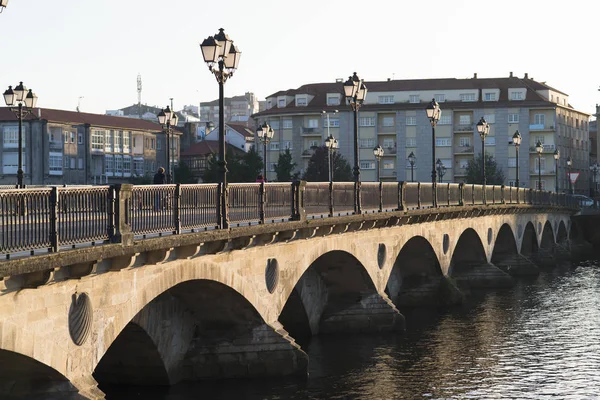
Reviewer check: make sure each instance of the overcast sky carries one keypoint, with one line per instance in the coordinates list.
(65, 49)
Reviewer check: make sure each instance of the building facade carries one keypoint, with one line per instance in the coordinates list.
(65, 147)
(237, 109)
(394, 117)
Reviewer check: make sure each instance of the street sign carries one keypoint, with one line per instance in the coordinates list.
(573, 176)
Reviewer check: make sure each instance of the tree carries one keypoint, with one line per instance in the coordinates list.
(251, 165)
(146, 179)
(493, 173)
(285, 166)
(239, 168)
(318, 167)
(183, 174)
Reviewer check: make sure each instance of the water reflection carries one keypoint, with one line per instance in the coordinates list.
(538, 340)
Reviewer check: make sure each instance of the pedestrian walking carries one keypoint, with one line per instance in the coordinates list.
(159, 179)
(260, 179)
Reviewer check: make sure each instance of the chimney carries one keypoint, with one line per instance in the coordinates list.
(526, 75)
(39, 113)
(389, 79)
(475, 75)
(511, 75)
(339, 80)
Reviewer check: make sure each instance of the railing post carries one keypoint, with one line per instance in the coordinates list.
(330, 199)
(380, 196)
(54, 220)
(177, 209)
(262, 197)
(298, 211)
(401, 197)
(110, 210)
(123, 233)
(218, 205)
(418, 195)
(473, 194)
(530, 196)
(434, 200)
(461, 194)
(448, 194)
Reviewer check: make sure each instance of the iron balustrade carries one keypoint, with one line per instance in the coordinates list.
(51, 218)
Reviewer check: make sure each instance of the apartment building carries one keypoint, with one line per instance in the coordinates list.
(394, 117)
(237, 109)
(66, 147)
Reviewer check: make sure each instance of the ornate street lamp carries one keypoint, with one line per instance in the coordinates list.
(167, 119)
(556, 158)
(412, 159)
(539, 147)
(3, 4)
(265, 134)
(356, 92)
(517, 142)
(441, 169)
(483, 128)
(569, 165)
(332, 144)
(378, 153)
(594, 168)
(25, 101)
(433, 113)
(219, 50)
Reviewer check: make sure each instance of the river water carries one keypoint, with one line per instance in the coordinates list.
(537, 340)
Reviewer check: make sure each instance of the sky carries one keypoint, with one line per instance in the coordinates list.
(65, 49)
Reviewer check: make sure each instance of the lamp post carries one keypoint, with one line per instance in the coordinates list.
(332, 144)
(167, 118)
(3, 4)
(556, 158)
(594, 168)
(539, 147)
(219, 50)
(412, 159)
(483, 128)
(378, 153)
(517, 142)
(433, 113)
(441, 169)
(265, 134)
(356, 92)
(569, 164)
(25, 101)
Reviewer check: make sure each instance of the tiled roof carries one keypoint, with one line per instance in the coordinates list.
(241, 129)
(79, 118)
(205, 148)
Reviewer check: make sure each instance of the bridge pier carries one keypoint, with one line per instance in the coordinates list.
(517, 265)
(480, 276)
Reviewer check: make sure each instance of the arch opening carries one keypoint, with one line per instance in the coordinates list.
(547, 241)
(505, 246)
(561, 236)
(529, 244)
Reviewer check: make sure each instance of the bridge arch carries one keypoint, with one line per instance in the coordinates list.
(547, 239)
(468, 253)
(562, 235)
(529, 242)
(505, 245)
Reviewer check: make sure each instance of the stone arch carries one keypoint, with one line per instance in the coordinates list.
(24, 377)
(336, 294)
(529, 242)
(416, 277)
(505, 245)
(562, 235)
(547, 240)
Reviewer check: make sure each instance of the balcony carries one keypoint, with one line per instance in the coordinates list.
(548, 148)
(463, 150)
(389, 151)
(460, 172)
(534, 171)
(463, 128)
(307, 153)
(388, 173)
(540, 127)
(310, 131)
(382, 130)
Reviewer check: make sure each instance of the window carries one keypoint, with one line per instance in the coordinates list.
(463, 163)
(274, 124)
(118, 165)
(414, 98)
(272, 166)
(66, 162)
(333, 100)
(313, 143)
(467, 97)
(72, 135)
(333, 122)
(465, 142)
(80, 138)
(66, 136)
(72, 161)
(490, 118)
(55, 163)
(464, 120)
(366, 121)
(301, 101)
(159, 144)
(512, 162)
(152, 143)
(287, 145)
(138, 166)
(389, 143)
(367, 143)
(10, 163)
(443, 142)
(411, 142)
(274, 146)
(10, 137)
(516, 96)
(126, 141)
(118, 141)
(367, 165)
(411, 121)
(440, 98)
(490, 141)
(445, 120)
(313, 123)
(108, 140)
(490, 97)
(513, 118)
(539, 119)
(388, 164)
(287, 124)
(281, 103)
(127, 165)
(387, 121)
(385, 99)
(541, 139)
(537, 164)
(80, 163)
(446, 162)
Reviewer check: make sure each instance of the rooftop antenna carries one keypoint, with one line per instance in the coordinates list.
(139, 91)
(79, 103)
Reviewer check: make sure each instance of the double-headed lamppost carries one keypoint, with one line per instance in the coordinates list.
(167, 119)
(517, 142)
(332, 144)
(556, 158)
(378, 153)
(25, 101)
(539, 148)
(412, 159)
(441, 169)
(569, 165)
(483, 128)
(265, 134)
(594, 168)
(219, 50)
(356, 92)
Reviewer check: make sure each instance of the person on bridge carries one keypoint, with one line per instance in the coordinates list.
(260, 179)
(160, 177)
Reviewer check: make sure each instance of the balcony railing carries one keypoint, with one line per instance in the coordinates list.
(386, 129)
(463, 149)
(463, 128)
(310, 131)
(547, 148)
(540, 127)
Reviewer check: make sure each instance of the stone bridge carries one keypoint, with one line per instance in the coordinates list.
(241, 302)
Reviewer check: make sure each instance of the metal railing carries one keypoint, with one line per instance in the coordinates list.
(34, 219)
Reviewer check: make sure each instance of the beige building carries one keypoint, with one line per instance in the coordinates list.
(394, 117)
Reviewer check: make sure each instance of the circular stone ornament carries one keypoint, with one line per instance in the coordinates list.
(381, 254)
(446, 243)
(272, 274)
(490, 236)
(80, 318)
